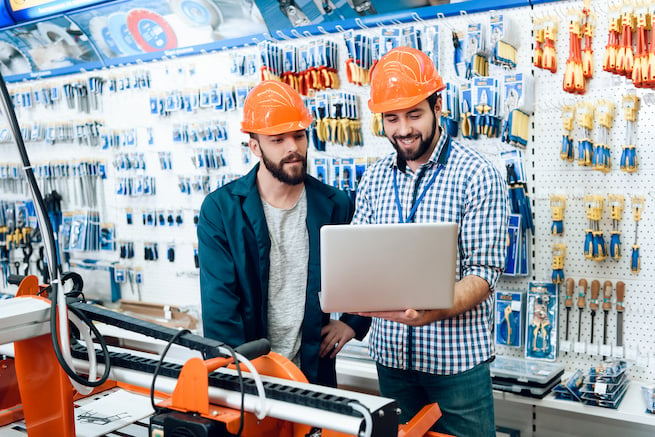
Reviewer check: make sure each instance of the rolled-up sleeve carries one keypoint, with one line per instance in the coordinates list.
(484, 226)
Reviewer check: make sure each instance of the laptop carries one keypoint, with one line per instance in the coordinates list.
(381, 267)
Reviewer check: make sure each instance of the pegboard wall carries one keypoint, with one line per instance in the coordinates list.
(552, 175)
(176, 282)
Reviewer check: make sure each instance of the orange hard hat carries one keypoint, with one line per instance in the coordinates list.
(273, 108)
(403, 78)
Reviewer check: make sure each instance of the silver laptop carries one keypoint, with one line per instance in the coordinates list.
(383, 267)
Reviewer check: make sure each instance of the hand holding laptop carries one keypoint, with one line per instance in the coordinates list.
(409, 317)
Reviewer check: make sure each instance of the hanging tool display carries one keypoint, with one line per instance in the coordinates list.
(625, 54)
(503, 40)
(607, 305)
(620, 309)
(640, 70)
(588, 32)
(337, 119)
(629, 162)
(649, 74)
(485, 106)
(612, 47)
(360, 57)
(545, 55)
(517, 96)
(518, 196)
(637, 204)
(574, 80)
(601, 158)
(450, 109)
(559, 253)
(568, 117)
(317, 69)
(616, 203)
(585, 120)
(595, 247)
(568, 303)
(476, 51)
(582, 294)
(557, 205)
(539, 39)
(467, 125)
(542, 308)
(593, 305)
(510, 311)
(309, 67)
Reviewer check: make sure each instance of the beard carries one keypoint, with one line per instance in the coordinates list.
(282, 175)
(424, 146)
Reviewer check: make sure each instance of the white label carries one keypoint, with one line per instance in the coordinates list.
(592, 349)
(516, 306)
(631, 354)
(600, 388)
(642, 360)
(580, 347)
(565, 346)
(618, 352)
(606, 350)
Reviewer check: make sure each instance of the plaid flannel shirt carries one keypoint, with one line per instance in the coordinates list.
(468, 190)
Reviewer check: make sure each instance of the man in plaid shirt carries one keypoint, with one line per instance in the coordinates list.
(437, 355)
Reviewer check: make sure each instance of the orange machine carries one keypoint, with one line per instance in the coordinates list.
(47, 397)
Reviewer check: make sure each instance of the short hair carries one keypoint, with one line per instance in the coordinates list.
(432, 99)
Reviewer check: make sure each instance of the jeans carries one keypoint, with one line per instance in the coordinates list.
(466, 399)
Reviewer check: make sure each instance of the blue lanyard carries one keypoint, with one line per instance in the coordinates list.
(418, 200)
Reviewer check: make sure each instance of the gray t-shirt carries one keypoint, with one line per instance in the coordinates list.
(287, 279)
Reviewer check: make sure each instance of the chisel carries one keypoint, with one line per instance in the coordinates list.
(607, 305)
(593, 304)
(582, 283)
(568, 302)
(620, 295)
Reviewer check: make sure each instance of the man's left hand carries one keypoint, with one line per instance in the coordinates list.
(335, 335)
(408, 317)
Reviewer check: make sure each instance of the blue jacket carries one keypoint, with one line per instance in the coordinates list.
(233, 251)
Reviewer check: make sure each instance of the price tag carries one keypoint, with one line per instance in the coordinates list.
(516, 306)
(580, 347)
(631, 354)
(600, 388)
(643, 356)
(565, 346)
(606, 350)
(592, 349)
(618, 352)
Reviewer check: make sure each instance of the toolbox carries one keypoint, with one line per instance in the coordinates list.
(525, 377)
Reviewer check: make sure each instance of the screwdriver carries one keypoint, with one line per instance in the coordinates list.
(593, 304)
(568, 302)
(607, 305)
(582, 283)
(620, 295)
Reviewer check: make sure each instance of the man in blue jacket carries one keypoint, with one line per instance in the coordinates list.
(259, 243)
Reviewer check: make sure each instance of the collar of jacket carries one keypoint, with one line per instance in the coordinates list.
(320, 208)
(316, 191)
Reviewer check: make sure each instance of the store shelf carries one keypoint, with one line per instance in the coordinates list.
(360, 373)
(632, 408)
